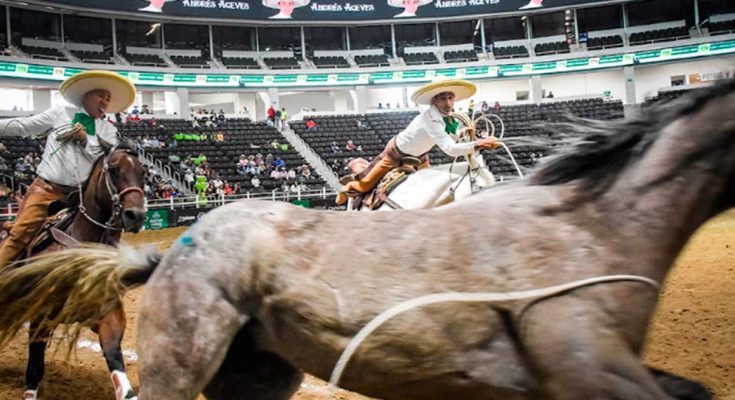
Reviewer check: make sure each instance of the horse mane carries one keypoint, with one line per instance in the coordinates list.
(597, 152)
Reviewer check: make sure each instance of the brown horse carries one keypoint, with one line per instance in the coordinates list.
(257, 292)
(111, 201)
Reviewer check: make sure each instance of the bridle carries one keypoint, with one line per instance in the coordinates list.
(114, 223)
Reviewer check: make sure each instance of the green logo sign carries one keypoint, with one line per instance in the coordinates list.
(156, 219)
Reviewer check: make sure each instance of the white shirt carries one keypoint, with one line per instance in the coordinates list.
(65, 163)
(427, 130)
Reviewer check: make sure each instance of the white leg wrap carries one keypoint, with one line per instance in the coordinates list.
(30, 395)
(123, 388)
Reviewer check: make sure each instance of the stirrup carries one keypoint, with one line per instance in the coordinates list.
(347, 179)
(30, 395)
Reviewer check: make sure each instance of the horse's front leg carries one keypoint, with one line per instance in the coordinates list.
(110, 330)
(36, 359)
(578, 352)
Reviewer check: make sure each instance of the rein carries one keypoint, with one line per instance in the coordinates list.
(536, 295)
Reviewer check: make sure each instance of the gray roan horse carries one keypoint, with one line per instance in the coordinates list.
(257, 292)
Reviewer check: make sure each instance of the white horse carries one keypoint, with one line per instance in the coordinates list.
(438, 185)
(443, 184)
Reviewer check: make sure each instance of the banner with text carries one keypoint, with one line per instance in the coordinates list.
(323, 10)
(382, 77)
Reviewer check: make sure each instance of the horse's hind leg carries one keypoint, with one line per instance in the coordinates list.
(263, 376)
(36, 359)
(110, 330)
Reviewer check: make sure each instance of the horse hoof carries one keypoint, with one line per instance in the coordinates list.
(30, 395)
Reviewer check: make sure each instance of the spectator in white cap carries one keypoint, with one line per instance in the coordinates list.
(77, 136)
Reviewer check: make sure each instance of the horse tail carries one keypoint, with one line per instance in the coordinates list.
(76, 286)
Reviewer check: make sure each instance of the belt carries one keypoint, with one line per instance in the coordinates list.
(404, 154)
(60, 188)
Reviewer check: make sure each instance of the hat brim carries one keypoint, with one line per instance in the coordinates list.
(122, 91)
(462, 90)
(399, 3)
(274, 3)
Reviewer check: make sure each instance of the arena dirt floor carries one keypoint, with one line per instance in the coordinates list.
(693, 333)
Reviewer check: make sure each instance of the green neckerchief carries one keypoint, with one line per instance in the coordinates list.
(86, 121)
(450, 125)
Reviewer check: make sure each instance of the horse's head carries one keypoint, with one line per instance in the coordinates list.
(119, 188)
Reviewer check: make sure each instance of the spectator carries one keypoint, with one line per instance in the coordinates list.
(484, 107)
(310, 124)
(277, 119)
(189, 177)
(496, 107)
(284, 118)
(471, 108)
(350, 146)
(271, 113)
(550, 95)
(227, 189)
(334, 147)
(195, 123)
(380, 106)
(275, 144)
(291, 174)
(279, 163)
(255, 182)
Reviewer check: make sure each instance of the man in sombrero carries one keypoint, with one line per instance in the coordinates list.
(285, 7)
(76, 134)
(432, 127)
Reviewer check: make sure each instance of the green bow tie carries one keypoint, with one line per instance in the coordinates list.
(450, 125)
(86, 121)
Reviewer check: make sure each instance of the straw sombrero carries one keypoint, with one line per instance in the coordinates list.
(399, 3)
(274, 3)
(461, 88)
(122, 91)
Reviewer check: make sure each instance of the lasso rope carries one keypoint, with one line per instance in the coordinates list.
(488, 297)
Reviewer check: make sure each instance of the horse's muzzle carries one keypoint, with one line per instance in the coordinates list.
(132, 219)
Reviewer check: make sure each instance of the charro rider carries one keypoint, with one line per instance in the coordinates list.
(432, 127)
(72, 146)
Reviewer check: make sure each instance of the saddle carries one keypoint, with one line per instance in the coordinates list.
(379, 195)
(61, 215)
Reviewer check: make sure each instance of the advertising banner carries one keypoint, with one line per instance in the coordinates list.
(156, 219)
(187, 216)
(323, 10)
(319, 79)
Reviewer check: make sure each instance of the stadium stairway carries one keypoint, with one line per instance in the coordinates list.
(314, 160)
(164, 171)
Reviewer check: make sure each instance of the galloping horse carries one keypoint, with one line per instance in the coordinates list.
(112, 201)
(257, 292)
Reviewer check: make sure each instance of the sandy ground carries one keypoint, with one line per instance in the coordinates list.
(693, 333)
